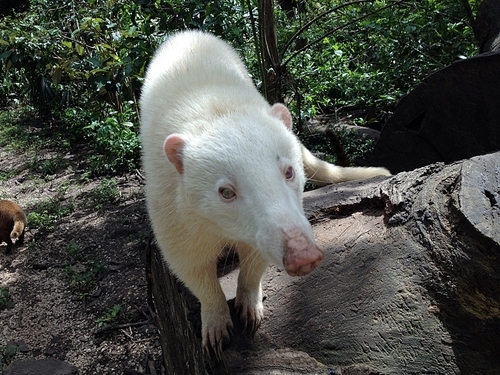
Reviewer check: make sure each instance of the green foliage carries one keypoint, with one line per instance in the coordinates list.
(115, 139)
(84, 270)
(47, 166)
(117, 142)
(357, 147)
(82, 276)
(6, 175)
(83, 62)
(73, 249)
(378, 51)
(79, 65)
(114, 315)
(13, 133)
(45, 214)
(104, 193)
(7, 354)
(5, 299)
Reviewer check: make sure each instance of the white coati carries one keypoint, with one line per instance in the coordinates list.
(12, 224)
(223, 167)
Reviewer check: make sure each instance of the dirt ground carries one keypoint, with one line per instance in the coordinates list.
(77, 286)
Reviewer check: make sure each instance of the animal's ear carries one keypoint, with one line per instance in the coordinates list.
(173, 147)
(281, 111)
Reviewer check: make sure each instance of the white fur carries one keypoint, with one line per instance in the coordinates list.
(322, 173)
(207, 132)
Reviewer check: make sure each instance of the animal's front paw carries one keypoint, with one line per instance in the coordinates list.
(250, 309)
(216, 330)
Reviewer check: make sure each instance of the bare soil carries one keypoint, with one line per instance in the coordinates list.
(68, 278)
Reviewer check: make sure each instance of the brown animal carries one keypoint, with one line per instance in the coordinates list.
(12, 224)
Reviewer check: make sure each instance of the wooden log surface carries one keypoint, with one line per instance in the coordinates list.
(409, 283)
(174, 306)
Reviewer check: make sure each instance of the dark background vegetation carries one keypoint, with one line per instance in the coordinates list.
(77, 66)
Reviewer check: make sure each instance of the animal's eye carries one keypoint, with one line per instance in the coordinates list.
(289, 173)
(227, 193)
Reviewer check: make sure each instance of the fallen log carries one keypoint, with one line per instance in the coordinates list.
(409, 284)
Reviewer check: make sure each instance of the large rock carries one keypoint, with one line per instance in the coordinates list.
(452, 115)
(47, 366)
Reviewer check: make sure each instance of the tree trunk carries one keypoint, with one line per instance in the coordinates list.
(271, 80)
(176, 318)
(409, 284)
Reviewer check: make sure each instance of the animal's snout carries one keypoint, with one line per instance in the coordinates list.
(301, 255)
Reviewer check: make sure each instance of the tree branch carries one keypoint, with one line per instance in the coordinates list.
(336, 29)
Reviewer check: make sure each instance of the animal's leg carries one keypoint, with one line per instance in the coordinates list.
(8, 250)
(249, 292)
(20, 240)
(215, 318)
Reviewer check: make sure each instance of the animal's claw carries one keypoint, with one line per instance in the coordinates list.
(214, 338)
(250, 317)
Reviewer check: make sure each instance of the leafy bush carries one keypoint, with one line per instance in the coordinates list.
(117, 143)
(375, 60)
(82, 62)
(355, 146)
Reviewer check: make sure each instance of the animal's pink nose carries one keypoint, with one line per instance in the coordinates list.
(301, 255)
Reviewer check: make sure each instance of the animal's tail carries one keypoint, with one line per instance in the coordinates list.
(322, 173)
(18, 229)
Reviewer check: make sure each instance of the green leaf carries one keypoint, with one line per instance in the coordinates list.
(79, 49)
(5, 54)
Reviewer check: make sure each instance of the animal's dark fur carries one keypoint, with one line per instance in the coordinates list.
(12, 224)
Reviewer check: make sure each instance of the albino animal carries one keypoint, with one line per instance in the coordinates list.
(12, 224)
(223, 167)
